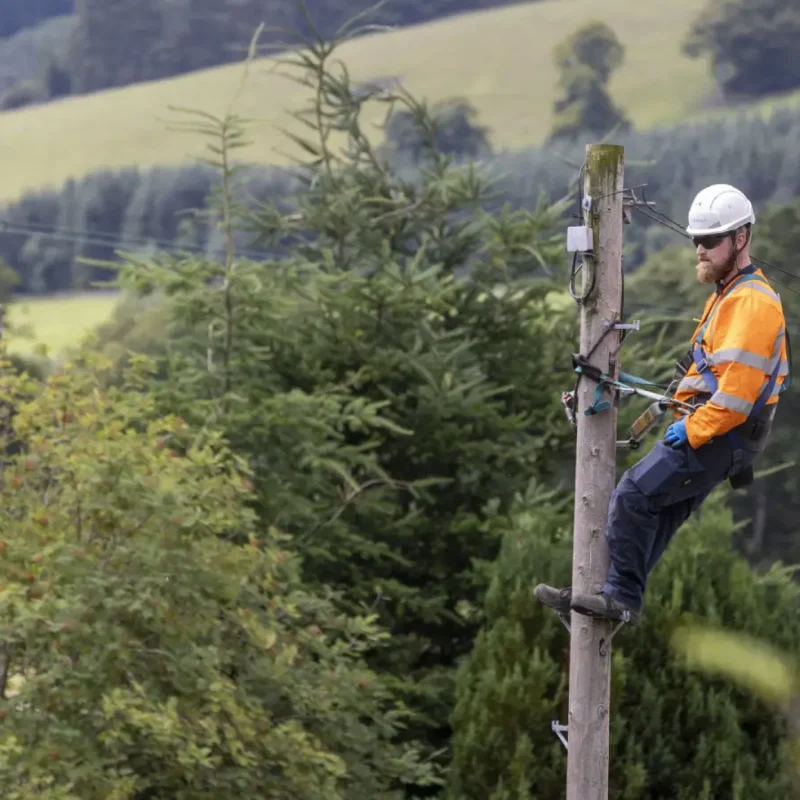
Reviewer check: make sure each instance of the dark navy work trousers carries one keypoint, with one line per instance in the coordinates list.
(651, 501)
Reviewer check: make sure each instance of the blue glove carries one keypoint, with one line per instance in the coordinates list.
(676, 434)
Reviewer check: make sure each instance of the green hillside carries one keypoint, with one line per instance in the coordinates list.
(501, 60)
(56, 321)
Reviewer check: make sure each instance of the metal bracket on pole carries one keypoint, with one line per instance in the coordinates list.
(559, 730)
(604, 643)
(565, 620)
(622, 326)
(631, 201)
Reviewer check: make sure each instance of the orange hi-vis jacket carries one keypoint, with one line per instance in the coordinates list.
(742, 335)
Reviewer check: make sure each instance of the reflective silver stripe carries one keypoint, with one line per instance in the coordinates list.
(776, 389)
(693, 382)
(731, 401)
(741, 356)
(759, 287)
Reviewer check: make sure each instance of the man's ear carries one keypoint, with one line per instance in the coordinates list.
(741, 238)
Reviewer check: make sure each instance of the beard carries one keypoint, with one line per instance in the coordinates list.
(711, 273)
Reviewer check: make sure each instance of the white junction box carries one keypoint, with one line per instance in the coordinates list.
(579, 239)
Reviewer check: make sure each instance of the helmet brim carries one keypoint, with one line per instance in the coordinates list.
(729, 228)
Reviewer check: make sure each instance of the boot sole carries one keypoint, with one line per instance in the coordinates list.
(555, 606)
(591, 612)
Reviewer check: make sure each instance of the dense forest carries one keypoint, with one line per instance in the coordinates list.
(45, 233)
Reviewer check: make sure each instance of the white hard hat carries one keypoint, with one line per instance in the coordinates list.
(719, 209)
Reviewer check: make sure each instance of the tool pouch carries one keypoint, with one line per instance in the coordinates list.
(752, 435)
(645, 422)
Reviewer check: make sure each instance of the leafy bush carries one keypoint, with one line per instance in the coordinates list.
(156, 640)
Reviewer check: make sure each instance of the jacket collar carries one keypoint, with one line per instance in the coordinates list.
(748, 270)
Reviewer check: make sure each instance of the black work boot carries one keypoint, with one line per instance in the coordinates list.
(605, 607)
(559, 599)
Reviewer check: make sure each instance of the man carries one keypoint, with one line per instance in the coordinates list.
(732, 377)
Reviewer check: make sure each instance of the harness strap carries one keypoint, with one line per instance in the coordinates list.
(737, 284)
(704, 370)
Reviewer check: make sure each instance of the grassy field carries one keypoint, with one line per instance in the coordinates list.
(501, 60)
(57, 321)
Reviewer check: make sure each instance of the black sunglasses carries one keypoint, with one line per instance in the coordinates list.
(710, 242)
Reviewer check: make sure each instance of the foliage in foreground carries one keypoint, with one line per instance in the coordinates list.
(156, 640)
(755, 666)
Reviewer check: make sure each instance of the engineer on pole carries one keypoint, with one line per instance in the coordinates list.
(731, 376)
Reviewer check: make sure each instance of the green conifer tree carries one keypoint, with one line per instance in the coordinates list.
(586, 60)
(673, 734)
(515, 681)
(390, 380)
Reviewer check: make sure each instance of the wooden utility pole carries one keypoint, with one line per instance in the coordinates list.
(595, 478)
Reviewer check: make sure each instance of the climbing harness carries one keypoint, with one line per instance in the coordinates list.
(738, 476)
(752, 429)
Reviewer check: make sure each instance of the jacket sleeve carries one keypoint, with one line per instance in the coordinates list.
(744, 339)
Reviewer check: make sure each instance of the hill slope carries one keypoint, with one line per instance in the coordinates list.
(501, 60)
